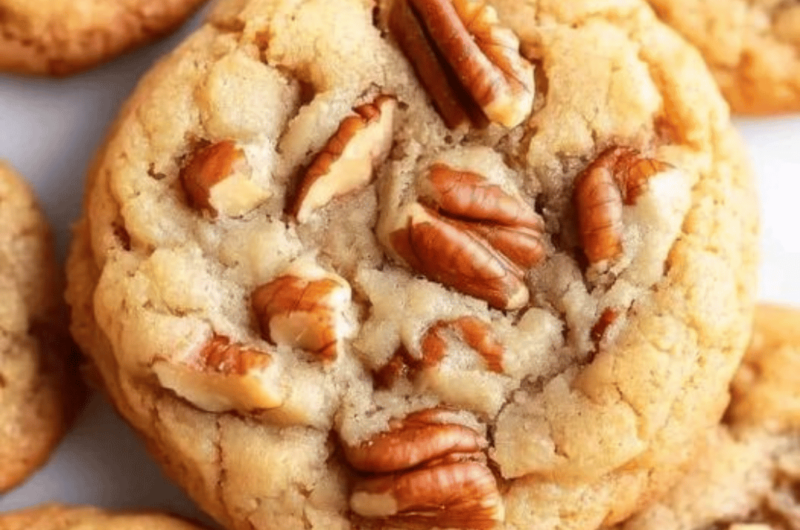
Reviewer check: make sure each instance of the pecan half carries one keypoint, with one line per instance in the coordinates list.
(347, 161)
(212, 181)
(467, 62)
(471, 235)
(223, 376)
(428, 472)
(304, 310)
(417, 438)
(618, 177)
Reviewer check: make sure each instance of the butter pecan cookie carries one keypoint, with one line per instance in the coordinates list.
(751, 46)
(58, 517)
(426, 262)
(39, 393)
(748, 476)
(62, 37)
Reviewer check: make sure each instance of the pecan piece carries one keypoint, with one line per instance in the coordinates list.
(426, 471)
(347, 161)
(304, 309)
(607, 318)
(476, 333)
(618, 177)
(223, 376)
(467, 62)
(213, 181)
(471, 235)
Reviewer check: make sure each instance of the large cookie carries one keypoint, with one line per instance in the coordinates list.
(418, 265)
(58, 517)
(748, 477)
(751, 46)
(39, 392)
(61, 37)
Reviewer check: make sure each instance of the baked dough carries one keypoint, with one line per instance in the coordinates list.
(300, 244)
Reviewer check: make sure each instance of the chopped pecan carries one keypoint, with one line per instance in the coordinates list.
(476, 333)
(223, 376)
(471, 235)
(607, 317)
(347, 161)
(208, 178)
(618, 177)
(222, 357)
(304, 311)
(426, 471)
(468, 63)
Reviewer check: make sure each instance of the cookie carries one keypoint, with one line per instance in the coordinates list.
(748, 477)
(751, 46)
(39, 392)
(59, 517)
(338, 275)
(63, 37)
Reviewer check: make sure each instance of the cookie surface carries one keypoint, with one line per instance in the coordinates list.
(58, 517)
(62, 37)
(751, 46)
(329, 283)
(39, 393)
(748, 476)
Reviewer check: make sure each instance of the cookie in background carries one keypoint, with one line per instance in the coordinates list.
(63, 37)
(60, 517)
(748, 476)
(39, 389)
(751, 46)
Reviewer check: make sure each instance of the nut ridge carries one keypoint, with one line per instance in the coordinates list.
(223, 376)
(476, 333)
(470, 234)
(409, 442)
(446, 253)
(220, 356)
(616, 178)
(304, 311)
(347, 161)
(425, 470)
(207, 167)
(469, 65)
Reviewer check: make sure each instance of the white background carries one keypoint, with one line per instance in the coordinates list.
(49, 130)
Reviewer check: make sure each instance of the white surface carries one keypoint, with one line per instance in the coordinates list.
(49, 130)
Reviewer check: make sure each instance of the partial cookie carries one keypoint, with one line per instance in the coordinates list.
(39, 391)
(58, 517)
(62, 37)
(427, 263)
(751, 46)
(748, 477)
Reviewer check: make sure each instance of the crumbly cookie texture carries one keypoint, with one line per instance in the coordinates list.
(60, 517)
(748, 475)
(751, 46)
(39, 391)
(62, 37)
(443, 263)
